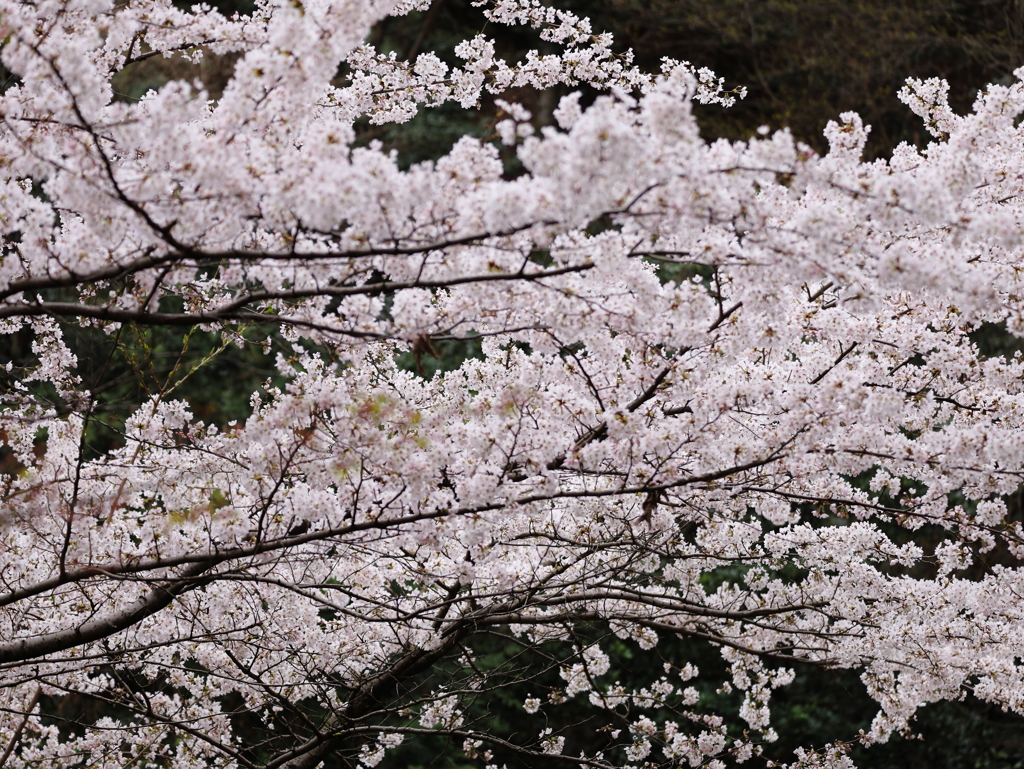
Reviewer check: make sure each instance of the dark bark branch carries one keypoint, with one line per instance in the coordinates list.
(233, 311)
(16, 737)
(842, 355)
(100, 627)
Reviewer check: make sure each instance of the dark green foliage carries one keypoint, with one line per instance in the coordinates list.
(805, 61)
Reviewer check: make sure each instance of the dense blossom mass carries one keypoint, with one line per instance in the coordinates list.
(727, 392)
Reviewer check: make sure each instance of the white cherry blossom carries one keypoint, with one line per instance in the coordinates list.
(716, 384)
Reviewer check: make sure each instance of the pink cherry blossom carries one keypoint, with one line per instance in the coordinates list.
(754, 374)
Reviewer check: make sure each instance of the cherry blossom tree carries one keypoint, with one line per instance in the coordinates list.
(726, 392)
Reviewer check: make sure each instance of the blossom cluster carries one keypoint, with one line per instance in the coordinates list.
(717, 384)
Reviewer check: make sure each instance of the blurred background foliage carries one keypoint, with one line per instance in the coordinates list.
(803, 62)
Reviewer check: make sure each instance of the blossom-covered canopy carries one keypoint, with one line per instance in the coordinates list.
(725, 391)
